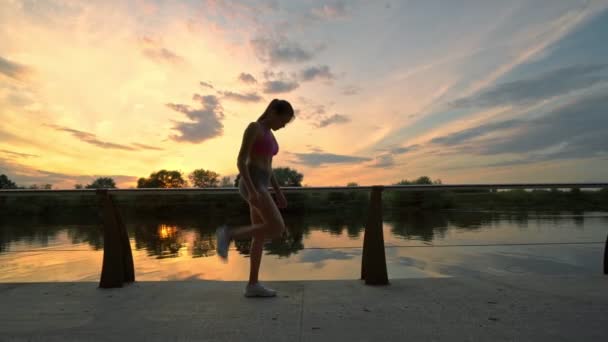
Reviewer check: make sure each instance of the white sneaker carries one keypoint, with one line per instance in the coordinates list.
(223, 242)
(258, 290)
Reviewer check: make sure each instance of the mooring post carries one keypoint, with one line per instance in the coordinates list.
(373, 260)
(606, 251)
(117, 265)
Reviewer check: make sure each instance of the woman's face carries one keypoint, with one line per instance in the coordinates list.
(279, 121)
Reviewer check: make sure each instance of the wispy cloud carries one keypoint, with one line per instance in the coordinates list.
(404, 149)
(91, 138)
(335, 10)
(163, 55)
(153, 49)
(279, 82)
(383, 161)
(554, 83)
(318, 159)
(316, 114)
(239, 11)
(575, 130)
(474, 132)
(315, 72)
(314, 148)
(276, 87)
(17, 154)
(334, 119)
(24, 175)
(147, 147)
(280, 50)
(248, 97)
(206, 121)
(13, 69)
(386, 159)
(308, 110)
(247, 78)
(351, 90)
(206, 85)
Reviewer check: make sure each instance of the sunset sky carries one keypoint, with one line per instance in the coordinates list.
(462, 91)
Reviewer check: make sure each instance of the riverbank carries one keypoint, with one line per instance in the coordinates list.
(66, 207)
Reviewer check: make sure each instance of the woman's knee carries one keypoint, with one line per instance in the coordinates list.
(271, 216)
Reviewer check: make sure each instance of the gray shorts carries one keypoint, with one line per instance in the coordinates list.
(260, 179)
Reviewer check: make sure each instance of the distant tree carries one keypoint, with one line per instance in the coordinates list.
(420, 181)
(102, 183)
(78, 186)
(286, 176)
(352, 184)
(163, 179)
(226, 182)
(423, 180)
(202, 178)
(40, 187)
(6, 183)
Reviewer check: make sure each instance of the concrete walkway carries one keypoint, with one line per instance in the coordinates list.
(506, 308)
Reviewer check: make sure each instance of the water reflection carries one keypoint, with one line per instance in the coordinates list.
(203, 246)
(160, 240)
(171, 238)
(317, 246)
(35, 234)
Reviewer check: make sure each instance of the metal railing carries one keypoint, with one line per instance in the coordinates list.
(118, 266)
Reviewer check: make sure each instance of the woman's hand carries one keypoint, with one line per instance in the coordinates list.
(281, 200)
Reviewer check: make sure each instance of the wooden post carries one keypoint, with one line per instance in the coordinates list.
(117, 265)
(373, 260)
(606, 257)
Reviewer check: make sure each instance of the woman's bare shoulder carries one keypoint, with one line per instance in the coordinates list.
(253, 126)
(253, 129)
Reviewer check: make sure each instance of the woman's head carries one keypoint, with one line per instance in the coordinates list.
(278, 114)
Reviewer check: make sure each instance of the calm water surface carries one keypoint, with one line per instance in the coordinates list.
(327, 246)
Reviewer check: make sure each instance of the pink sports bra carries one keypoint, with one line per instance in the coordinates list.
(266, 144)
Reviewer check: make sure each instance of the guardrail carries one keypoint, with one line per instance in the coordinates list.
(118, 267)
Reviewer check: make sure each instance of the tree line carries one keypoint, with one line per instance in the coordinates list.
(199, 178)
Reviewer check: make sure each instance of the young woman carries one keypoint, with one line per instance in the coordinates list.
(255, 167)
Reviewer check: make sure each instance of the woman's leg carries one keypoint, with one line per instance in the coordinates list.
(257, 246)
(273, 224)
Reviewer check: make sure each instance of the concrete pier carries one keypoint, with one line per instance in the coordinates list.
(484, 308)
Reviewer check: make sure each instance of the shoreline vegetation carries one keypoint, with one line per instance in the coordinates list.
(312, 201)
(156, 220)
(170, 205)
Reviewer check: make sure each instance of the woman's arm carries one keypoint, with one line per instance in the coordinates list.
(280, 198)
(275, 184)
(249, 137)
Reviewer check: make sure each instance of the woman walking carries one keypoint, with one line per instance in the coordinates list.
(255, 168)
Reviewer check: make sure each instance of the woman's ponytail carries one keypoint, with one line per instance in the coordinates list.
(281, 107)
(270, 107)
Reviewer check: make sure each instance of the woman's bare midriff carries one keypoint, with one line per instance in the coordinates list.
(261, 162)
